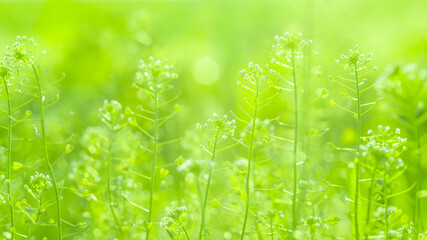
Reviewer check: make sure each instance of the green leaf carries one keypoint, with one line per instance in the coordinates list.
(163, 172)
(180, 160)
(216, 203)
(324, 92)
(68, 148)
(177, 108)
(17, 165)
(313, 132)
(332, 220)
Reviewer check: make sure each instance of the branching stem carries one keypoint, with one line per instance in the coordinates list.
(386, 205)
(211, 165)
(368, 211)
(295, 151)
(250, 152)
(419, 182)
(154, 160)
(46, 155)
(9, 158)
(110, 194)
(358, 136)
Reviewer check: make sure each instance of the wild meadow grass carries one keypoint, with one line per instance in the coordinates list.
(250, 171)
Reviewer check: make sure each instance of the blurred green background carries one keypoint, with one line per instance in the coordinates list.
(98, 45)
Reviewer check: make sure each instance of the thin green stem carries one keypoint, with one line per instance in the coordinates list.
(186, 233)
(248, 175)
(368, 211)
(295, 151)
(46, 155)
(9, 158)
(313, 227)
(154, 160)
(211, 165)
(258, 232)
(313, 233)
(358, 136)
(37, 218)
(416, 216)
(271, 229)
(386, 206)
(110, 194)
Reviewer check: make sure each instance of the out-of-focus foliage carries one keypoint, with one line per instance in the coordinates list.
(129, 161)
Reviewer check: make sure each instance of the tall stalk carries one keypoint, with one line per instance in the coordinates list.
(46, 155)
(295, 147)
(111, 115)
(384, 148)
(9, 157)
(250, 153)
(154, 160)
(153, 78)
(386, 205)
(358, 136)
(205, 200)
(418, 184)
(271, 229)
(355, 63)
(288, 49)
(110, 194)
(371, 188)
(313, 233)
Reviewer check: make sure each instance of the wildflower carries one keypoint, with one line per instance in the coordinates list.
(40, 182)
(111, 113)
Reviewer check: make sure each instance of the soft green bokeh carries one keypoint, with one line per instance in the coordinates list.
(98, 45)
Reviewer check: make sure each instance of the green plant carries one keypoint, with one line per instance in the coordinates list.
(404, 89)
(259, 83)
(115, 174)
(39, 183)
(41, 97)
(5, 73)
(176, 222)
(289, 50)
(111, 114)
(216, 130)
(382, 149)
(356, 65)
(22, 56)
(153, 79)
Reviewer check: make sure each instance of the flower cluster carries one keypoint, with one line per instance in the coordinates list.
(289, 47)
(154, 75)
(254, 78)
(175, 220)
(40, 182)
(384, 146)
(311, 222)
(355, 60)
(217, 128)
(22, 51)
(404, 232)
(20, 54)
(270, 219)
(111, 113)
